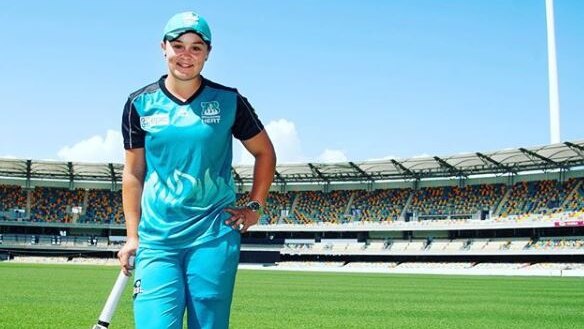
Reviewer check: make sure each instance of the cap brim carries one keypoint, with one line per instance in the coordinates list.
(173, 35)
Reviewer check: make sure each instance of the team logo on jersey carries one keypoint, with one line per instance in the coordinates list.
(211, 113)
(156, 120)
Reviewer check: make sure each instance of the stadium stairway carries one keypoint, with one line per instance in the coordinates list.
(571, 194)
(502, 202)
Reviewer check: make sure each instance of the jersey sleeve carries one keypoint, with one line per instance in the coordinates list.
(131, 130)
(247, 124)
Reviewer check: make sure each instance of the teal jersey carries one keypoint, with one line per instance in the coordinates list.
(188, 152)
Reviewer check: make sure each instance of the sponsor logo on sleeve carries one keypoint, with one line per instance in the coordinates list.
(156, 120)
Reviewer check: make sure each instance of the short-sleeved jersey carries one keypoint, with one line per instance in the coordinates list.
(188, 152)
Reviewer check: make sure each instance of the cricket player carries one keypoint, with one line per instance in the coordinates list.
(178, 190)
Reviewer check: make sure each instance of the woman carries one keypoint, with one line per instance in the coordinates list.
(178, 191)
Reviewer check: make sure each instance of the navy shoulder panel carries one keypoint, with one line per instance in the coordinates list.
(153, 87)
(215, 85)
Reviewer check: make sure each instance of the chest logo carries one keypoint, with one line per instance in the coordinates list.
(211, 113)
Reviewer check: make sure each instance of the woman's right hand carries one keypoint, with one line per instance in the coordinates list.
(124, 255)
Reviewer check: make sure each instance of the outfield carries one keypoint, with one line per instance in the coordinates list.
(71, 296)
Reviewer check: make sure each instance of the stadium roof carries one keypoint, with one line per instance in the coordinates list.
(52, 170)
(563, 156)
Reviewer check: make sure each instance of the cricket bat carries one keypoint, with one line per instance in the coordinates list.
(111, 304)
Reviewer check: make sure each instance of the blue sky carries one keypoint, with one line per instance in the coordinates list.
(332, 80)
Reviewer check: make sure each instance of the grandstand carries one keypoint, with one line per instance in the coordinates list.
(511, 211)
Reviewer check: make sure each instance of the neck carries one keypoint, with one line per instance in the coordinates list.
(183, 90)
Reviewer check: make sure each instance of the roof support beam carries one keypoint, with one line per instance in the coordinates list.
(362, 172)
(317, 172)
(400, 167)
(576, 148)
(28, 173)
(495, 162)
(112, 174)
(452, 169)
(327, 182)
(532, 155)
(70, 173)
(279, 177)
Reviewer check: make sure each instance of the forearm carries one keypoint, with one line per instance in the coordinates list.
(263, 175)
(131, 197)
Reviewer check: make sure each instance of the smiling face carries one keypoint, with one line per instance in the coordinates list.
(185, 56)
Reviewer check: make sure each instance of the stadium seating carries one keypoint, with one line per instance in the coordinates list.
(11, 197)
(523, 201)
(304, 265)
(500, 266)
(277, 207)
(376, 245)
(518, 244)
(575, 199)
(557, 243)
(402, 224)
(556, 266)
(85, 241)
(104, 206)
(455, 201)
(379, 205)
(541, 197)
(440, 246)
(435, 265)
(54, 204)
(321, 207)
(371, 265)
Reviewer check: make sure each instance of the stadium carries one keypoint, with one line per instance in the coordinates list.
(488, 239)
(504, 214)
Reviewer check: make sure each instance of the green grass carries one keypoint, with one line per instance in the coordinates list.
(69, 296)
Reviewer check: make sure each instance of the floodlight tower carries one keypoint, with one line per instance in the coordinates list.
(554, 96)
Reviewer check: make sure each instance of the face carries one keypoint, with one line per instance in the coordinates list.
(185, 56)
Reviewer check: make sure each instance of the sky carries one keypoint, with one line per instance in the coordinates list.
(332, 80)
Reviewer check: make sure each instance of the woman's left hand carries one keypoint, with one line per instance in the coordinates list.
(242, 218)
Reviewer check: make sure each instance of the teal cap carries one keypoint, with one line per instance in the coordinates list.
(187, 22)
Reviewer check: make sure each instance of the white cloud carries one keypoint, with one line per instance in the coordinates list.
(423, 155)
(332, 156)
(95, 149)
(384, 158)
(286, 143)
(10, 157)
